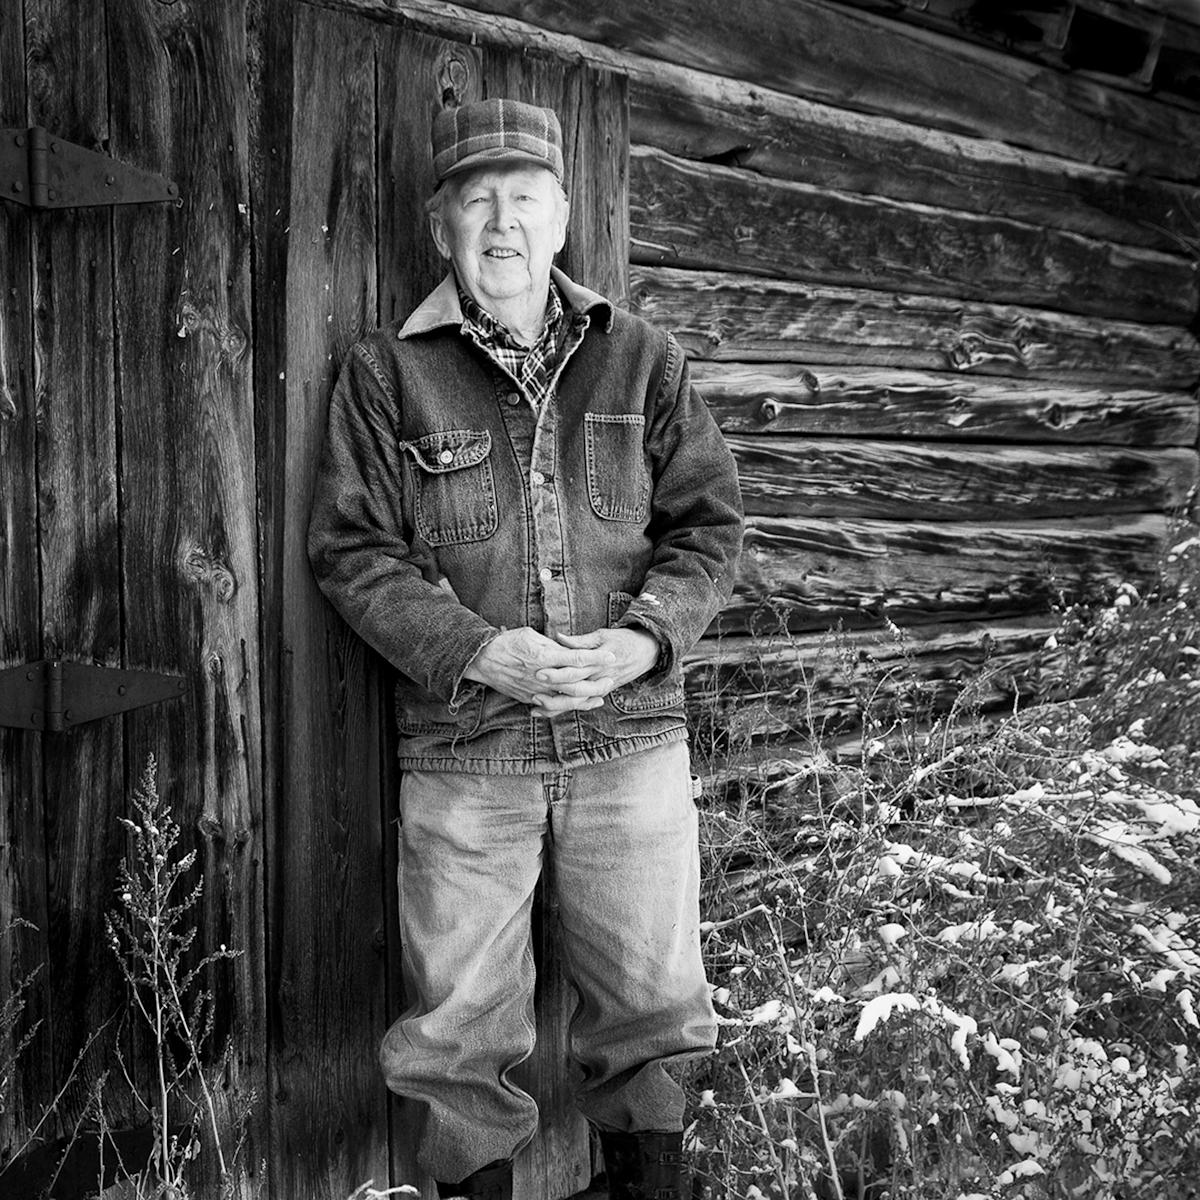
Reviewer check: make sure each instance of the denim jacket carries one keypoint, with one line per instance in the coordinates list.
(447, 509)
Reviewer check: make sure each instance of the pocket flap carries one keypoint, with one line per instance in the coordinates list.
(451, 450)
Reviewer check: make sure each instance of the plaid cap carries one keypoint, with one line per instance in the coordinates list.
(491, 131)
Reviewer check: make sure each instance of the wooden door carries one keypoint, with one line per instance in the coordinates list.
(128, 511)
(164, 376)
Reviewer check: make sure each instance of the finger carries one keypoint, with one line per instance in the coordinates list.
(586, 687)
(558, 677)
(581, 641)
(553, 706)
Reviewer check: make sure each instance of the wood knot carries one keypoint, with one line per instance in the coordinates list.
(201, 567)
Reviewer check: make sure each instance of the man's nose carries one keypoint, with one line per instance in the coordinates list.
(503, 215)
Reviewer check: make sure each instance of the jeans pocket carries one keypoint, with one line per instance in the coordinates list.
(454, 492)
(618, 482)
(643, 695)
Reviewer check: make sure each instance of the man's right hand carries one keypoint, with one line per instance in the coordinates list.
(510, 663)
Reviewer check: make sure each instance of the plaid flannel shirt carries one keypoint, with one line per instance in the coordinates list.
(532, 367)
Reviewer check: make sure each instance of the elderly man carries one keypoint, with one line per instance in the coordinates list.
(524, 506)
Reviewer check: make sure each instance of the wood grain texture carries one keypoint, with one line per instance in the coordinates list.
(79, 561)
(779, 398)
(188, 548)
(749, 319)
(269, 54)
(23, 867)
(849, 59)
(328, 987)
(417, 72)
(700, 116)
(810, 573)
(709, 217)
(949, 481)
(744, 692)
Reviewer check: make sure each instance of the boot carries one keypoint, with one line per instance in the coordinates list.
(493, 1182)
(643, 1166)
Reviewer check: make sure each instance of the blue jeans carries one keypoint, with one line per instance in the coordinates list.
(622, 839)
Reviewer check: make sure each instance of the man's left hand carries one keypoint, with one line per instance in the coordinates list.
(635, 651)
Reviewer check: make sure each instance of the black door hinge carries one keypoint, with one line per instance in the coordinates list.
(56, 696)
(41, 171)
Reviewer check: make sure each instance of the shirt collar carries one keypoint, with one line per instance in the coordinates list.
(492, 330)
(441, 307)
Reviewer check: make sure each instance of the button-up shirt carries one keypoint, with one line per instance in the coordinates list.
(532, 368)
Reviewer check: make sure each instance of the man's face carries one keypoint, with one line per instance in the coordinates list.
(501, 228)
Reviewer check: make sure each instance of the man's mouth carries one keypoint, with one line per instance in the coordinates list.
(501, 252)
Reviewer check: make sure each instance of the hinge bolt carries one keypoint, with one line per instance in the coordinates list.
(68, 715)
(108, 179)
(30, 675)
(18, 187)
(20, 139)
(122, 690)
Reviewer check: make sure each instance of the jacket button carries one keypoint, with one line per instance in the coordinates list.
(537, 477)
(545, 574)
(513, 398)
(446, 456)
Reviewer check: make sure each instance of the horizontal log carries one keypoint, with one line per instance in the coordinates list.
(849, 59)
(792, 476)
(688, 214)
(746, 691)
(781, 398)
(697, 116)
(1122, 42)
(747, 318)
(810, 574)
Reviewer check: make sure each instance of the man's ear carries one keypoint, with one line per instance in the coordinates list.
(438, 230)
(564, 217)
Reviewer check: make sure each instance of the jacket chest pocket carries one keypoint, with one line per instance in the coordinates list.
(618, 484)
(454, 492)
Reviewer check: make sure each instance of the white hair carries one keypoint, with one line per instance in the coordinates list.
(435, 206)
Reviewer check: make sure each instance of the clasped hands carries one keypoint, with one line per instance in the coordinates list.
(556, 675)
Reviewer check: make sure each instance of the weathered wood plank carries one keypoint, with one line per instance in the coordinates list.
(845, 58)
(807, 689)
(270, 80)
(717, 218)
(745, 318)
(23, 884)
(787, 398)
(699, 116)
(1123, 44)
(329, 1117)
(188, 547)
(78, 547)
(410, 266)
(956, 481)
(810, 574)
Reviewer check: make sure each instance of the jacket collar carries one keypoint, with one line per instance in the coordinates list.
(441, 307)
